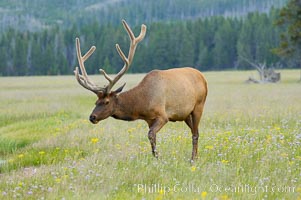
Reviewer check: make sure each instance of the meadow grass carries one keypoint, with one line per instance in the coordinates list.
(249, 145)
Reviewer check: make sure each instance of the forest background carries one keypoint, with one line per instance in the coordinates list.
(38, 37)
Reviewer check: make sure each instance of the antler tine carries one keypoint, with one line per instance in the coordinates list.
(127, 60)
(104, 72)
(129, 30)
(83, 79)
(81, 59)
(106, 75)
(134, 40)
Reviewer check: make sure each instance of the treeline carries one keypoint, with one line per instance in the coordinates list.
(36, 14)
(162, 10)
(215, 43)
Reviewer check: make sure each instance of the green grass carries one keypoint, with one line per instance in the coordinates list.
(249, 146)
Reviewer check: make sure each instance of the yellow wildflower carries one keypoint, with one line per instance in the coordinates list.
(225, 161)
(204, 194)
(21, 155)
(94, 140)
(118, 146)
(159, 197)
(193, 168)
(41, 152)
(209, 147)
(179, 138)
(130, 130)
(224, 197)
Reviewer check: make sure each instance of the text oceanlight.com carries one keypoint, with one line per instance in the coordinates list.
(214, 188)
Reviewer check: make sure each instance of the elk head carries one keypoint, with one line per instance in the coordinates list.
(106, 98)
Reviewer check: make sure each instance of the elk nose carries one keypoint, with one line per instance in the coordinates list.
(92, 118)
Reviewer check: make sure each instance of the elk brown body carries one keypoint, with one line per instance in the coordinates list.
(177, 94)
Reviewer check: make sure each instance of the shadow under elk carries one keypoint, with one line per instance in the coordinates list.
(177, 94)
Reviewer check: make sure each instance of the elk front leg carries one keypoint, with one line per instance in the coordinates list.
(152, 139)
(154, 127)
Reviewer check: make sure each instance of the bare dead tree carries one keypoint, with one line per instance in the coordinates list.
(266, 75)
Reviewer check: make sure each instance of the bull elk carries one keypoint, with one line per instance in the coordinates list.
(163, 95)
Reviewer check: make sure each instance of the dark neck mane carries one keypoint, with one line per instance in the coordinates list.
(126, 106)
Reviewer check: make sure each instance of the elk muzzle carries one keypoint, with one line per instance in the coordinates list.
(93, 119)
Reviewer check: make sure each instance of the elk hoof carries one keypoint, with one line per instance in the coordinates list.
(155, 154)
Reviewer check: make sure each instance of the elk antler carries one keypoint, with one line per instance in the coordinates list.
(84, 79)
(127, 60)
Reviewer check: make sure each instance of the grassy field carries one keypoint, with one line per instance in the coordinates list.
(249, 146)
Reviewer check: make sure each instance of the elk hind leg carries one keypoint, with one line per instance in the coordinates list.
(194, 130)
(196, 117)
(188, 121)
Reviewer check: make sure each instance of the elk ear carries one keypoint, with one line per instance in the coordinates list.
(100, 94)
(119, 89)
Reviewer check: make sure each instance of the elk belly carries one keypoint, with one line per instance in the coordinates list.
(179, 112)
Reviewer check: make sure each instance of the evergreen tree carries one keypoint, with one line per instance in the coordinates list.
(246, 44)
(3, 56)
(159, 55)
(290, 18)
(203, 60)
(20, 55)
(36, 56)
(186, 53)
(225, 45)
